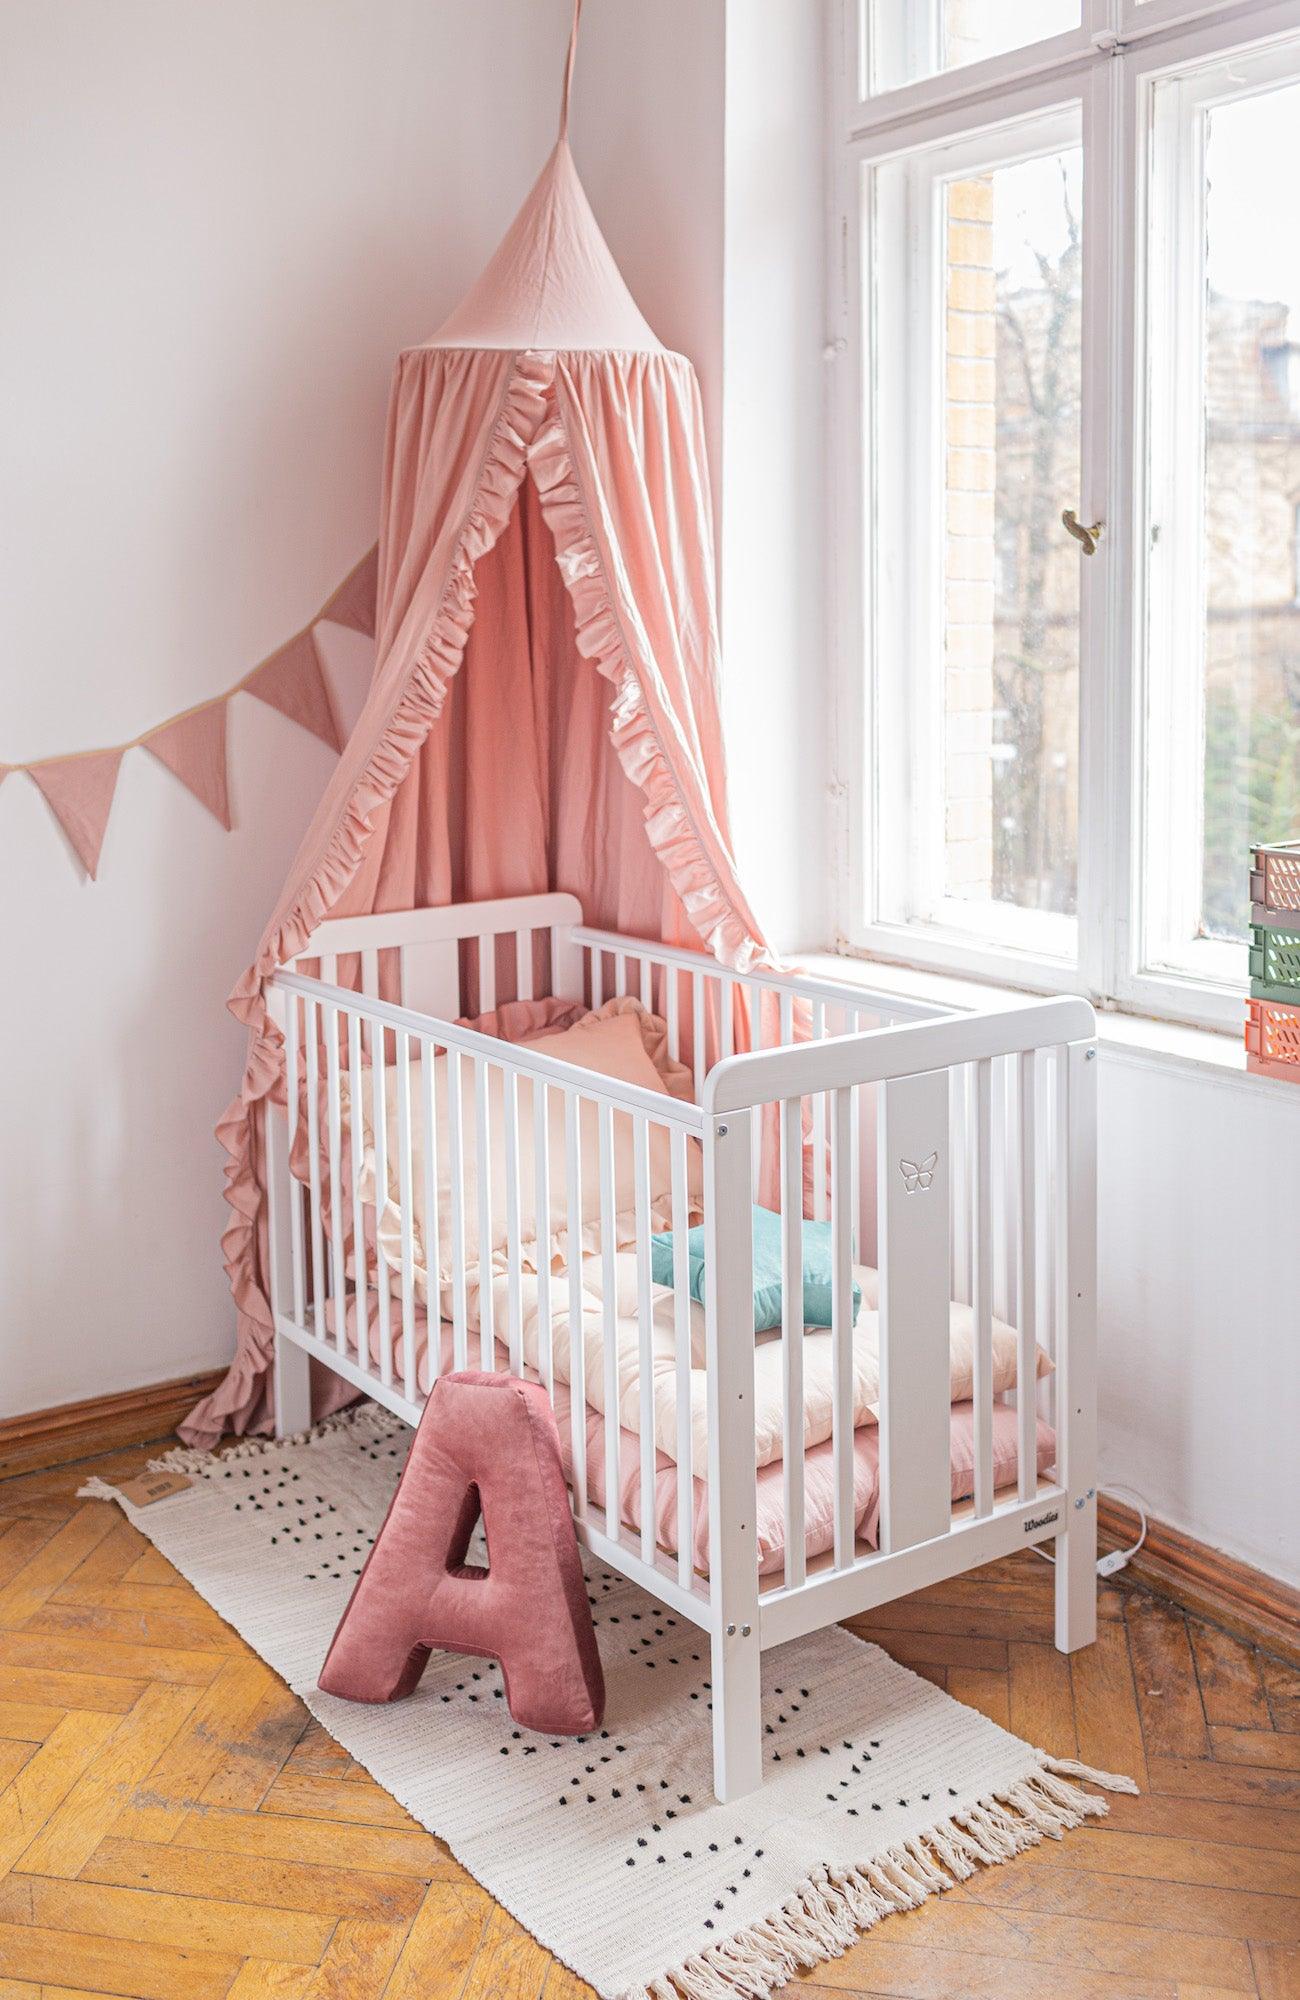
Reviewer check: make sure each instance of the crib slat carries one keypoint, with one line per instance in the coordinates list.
(647, 985)
(842, 1213)
(682, 1361)
(278, 1183)
(597, 979)
(542, 1230)
(406, 1196)
(959, 1116)
(645, 1335)
(487, 974)
(456, 1175)
(913, 1189)
(334, 1131)
(754, 998)
(523, 965)
(566, 964)
(311, 1025)
(379, 1116)
(792, 1336)
(982, 1300)
(487, 1358)
(577, 1330)
(514, 1245)
(672, 977)
(360, 1261)
(1027, 1287)
(432, 1226)
(370, 974)
(1045, 1214)
(291, 1041)
(854, 1026)
(699, 1051)
(726, 1016)
(609, 1322)
(1058, 1183)
(819, 1122)
(1009, 1306)
(787, 1019)
(620, 972)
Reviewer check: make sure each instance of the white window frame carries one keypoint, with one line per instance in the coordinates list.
(1107, 70)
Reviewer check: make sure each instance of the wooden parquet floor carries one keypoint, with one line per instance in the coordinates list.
(174, 1826)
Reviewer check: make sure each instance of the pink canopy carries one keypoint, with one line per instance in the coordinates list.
(545, 514)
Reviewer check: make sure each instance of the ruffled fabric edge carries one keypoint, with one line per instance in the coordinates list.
(241, 1401)
(690, 855)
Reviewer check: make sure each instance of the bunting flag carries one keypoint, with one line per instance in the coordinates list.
(79, 788)
(293, 681)
(79, 792)
(353, 603)
(194, 748)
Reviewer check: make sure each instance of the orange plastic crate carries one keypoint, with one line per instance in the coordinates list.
(1273, 1039)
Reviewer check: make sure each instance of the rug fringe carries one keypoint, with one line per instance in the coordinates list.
(830, 1910)
(190, 1460)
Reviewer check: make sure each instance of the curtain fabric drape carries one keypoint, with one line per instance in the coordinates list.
(582, 747)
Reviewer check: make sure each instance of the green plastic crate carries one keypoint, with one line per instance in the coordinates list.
(1274, 964)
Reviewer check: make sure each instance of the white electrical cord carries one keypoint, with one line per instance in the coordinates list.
(1112, 1564)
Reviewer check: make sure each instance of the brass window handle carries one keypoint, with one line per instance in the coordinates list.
(1087, 538)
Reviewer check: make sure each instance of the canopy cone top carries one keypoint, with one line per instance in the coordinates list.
(552, 282)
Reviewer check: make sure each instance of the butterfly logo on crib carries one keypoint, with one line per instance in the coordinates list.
(917, 1179)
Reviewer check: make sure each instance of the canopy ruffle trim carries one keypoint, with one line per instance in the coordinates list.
(688, 851)
(241, 1399)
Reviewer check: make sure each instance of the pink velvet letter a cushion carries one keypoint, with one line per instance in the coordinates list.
(486, 1443)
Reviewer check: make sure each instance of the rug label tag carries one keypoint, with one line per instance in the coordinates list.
(151, 1486)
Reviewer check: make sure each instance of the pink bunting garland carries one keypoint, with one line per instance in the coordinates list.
(79, 788)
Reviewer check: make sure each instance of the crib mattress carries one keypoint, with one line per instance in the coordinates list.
(818, 1462)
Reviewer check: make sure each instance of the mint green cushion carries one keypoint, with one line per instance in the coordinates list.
(767, 1269)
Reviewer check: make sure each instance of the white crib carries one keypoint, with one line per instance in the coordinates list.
(1005, 1220)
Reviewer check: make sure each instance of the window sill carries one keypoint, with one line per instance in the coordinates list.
(1125, 1038)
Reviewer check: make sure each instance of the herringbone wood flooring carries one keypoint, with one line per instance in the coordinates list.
(173, 1826)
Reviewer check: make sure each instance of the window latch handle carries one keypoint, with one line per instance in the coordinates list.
(1087, 538)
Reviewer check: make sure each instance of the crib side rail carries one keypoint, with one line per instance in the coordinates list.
(984, 1194)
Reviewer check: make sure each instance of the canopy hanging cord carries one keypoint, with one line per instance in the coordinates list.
(568, 71)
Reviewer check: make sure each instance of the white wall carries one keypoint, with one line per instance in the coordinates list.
(773, 576)
(1199, 1302)
(221, 221)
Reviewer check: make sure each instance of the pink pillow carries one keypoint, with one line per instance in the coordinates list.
(544, 1023)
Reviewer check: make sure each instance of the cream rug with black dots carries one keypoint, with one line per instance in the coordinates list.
(878, 1788)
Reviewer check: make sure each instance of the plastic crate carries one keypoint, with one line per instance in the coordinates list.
(1275, 882)
(1273, 1039)
(1275, 964)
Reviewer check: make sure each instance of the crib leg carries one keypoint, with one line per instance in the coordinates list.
(292, 1388)
(737, 1715)
(1076, 1580)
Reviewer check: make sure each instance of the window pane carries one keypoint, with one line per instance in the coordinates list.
(976, 311)
(1224, 633)
(1252, 495)
(1011, 607)
(910, 39)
